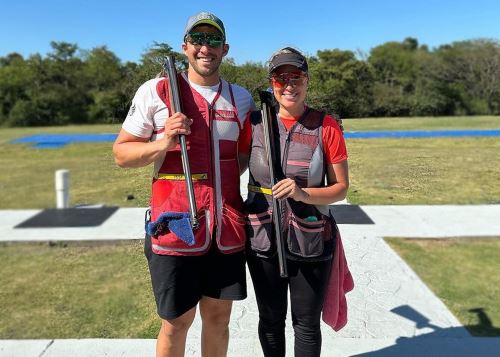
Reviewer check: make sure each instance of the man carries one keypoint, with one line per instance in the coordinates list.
(210, 272)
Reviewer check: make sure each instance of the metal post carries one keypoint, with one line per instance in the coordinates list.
(62, 189)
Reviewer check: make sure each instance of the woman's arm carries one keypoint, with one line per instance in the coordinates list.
(338, 184)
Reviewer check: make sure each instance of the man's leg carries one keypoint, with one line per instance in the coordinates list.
(215, 315)
(172, 337)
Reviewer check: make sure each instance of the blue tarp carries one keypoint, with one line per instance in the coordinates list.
(59, 140)
(419, 134)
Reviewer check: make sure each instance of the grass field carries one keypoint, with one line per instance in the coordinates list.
(382, 171)
(427, 170)
(53, 291)
(94, 177)
(463, 273)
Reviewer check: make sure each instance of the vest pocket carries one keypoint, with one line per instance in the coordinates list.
(306, 238)
(259, 230)
(233, 229)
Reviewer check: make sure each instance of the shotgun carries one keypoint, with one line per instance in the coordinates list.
(268, 120)
(175, 106)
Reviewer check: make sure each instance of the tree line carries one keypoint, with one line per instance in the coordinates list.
(74, 86)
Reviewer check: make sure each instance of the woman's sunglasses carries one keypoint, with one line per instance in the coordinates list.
(288, 79)
(212, 39)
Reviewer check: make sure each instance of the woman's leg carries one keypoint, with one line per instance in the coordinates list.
(271, 294)
(307, 291)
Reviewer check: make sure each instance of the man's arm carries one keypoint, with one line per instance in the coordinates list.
(133, 151)
(243, 161)
(244, 142)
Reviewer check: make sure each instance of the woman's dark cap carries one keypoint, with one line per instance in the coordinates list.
(292, 58)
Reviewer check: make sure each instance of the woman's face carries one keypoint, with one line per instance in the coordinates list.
(289, 87)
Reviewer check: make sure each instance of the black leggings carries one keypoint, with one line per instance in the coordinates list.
(307, 281)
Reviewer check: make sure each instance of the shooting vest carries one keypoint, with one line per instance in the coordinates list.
(212, 152)
(308, 229)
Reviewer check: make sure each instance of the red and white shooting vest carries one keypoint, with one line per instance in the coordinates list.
(213, 157)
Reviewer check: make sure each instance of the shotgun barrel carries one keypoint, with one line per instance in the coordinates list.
(175, 106)
(268, 120)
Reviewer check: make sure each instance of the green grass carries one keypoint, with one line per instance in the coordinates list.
(463, 273)
(424, 171)
(427, 170)
(94, 177)
(382, 171)
(75, 292)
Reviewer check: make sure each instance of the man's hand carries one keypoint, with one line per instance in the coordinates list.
(177, 124)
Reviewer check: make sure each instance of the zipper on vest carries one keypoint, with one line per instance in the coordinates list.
(212, 163)
(285, 152)
(284, 210)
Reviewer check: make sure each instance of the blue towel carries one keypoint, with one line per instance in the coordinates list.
(178, 223)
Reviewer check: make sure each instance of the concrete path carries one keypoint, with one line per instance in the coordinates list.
(391, 312)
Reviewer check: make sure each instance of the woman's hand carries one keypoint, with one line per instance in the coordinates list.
(288, 188)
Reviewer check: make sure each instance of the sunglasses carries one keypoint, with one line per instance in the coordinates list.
(212, 39)
(288, 79)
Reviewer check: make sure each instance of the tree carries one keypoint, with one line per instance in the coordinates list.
(105, 78)
(15, 76)
(252, 76)
(153, 59)
(430, 96)
(402, 85)
(102, 67)
(60, 91)
(471, 72)
(341, 84)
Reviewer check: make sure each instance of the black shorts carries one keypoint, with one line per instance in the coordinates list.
(179, 282)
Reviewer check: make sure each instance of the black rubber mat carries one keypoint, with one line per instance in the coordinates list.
(69, 217)
(350, 214)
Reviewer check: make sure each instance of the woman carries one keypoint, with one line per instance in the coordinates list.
(311, 148)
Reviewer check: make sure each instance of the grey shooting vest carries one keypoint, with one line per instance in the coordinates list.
(308, 229)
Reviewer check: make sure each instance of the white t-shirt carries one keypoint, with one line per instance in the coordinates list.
(148, 112)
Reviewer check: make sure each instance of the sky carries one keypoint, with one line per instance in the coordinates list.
(255, 28)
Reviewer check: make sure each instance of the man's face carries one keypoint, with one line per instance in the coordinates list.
(204, 55)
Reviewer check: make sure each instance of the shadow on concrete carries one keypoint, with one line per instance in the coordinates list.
(453, 341)
(350, 214)
(69, 217)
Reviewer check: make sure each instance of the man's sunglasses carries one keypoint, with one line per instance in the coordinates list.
(212, 39)
(285, 79)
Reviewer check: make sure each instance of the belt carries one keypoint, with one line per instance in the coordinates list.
(194, 177)
(258, 189)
